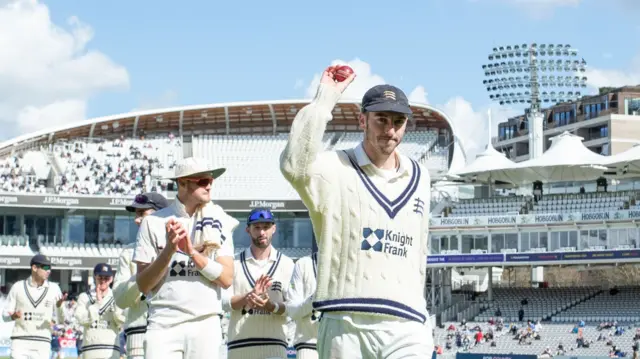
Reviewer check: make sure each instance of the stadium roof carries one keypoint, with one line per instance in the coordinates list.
(257, 117)
(490, 165)
(566, 160)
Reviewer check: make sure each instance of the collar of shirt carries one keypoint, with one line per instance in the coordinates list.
(363, 160)
(32, 284)
(273, 255)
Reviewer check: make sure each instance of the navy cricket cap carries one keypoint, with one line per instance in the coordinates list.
(385, 98)
(103, 269)
(40, 259)
(260, 215)
(149, 200)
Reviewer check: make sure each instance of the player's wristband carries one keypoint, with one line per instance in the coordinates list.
(212, 271)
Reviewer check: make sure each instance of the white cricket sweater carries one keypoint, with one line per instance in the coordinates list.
(254, 327)
(101, 322)
(128, 296)
(183, 295)
(37, 305)
(371, 228)
(303, 286)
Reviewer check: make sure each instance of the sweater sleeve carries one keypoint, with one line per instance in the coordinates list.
(299, 161)
(125, 288)
(86, 312)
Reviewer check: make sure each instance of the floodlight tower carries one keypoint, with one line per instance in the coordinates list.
(530, 74)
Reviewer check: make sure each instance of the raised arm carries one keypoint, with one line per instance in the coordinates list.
(298, 160)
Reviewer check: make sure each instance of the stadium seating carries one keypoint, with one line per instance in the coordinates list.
(558, 312)
(127, 166)
(604, 307)
(81, 250)
(22, 173)
(585, 202)
(124, 166)
(15, 246)
(489, 206)
(542, 303)
(551, 336)
(252, 162)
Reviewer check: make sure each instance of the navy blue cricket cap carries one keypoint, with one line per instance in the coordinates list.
(103, 269)
(260, 215)
(40, 259)
(385, 98)
(149, 200)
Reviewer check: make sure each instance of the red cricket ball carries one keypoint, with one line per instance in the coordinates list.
(341, 73)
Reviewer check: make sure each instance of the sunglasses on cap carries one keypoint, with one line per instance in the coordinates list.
(260, 215)
(144, 200)
(202, 182)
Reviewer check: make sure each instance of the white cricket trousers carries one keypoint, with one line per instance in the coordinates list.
(342, 339)
(135, 346)
(306, 354)
(30, 349)
(191, 340)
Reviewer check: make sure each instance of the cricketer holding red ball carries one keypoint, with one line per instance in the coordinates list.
(369, 207)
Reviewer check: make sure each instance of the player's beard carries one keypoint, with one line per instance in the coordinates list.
(258, 242)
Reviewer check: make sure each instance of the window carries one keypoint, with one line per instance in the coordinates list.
(632, 106)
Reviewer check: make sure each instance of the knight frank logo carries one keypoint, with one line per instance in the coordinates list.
(183, 269)
(178, 269)
(418, 206)
(372, 239)
(387, 241)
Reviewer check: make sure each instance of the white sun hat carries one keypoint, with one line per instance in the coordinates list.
(194, 167)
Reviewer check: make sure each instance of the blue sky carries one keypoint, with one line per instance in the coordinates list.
(159, 53)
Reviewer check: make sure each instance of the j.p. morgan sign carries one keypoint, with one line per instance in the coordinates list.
(58, 262)
(119, 203)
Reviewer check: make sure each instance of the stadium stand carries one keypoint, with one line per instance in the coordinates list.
(127, 166)
(24, 172)
(122, 166)
(15, 245)
(537, 338)
(605, 306)
(541, 304)
(549, 203)
(489, 206)
(585, 202)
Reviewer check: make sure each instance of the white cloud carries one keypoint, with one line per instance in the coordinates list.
(54, 114)
(47, 74)
(419, 95)
(471, 124)
(630, 76)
